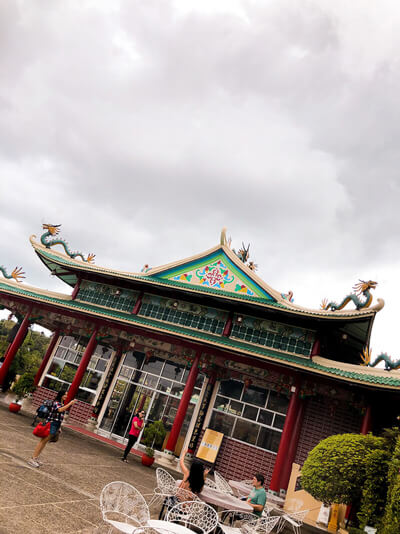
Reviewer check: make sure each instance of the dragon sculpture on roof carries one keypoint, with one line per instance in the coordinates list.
(243, 253)
(17, 273)
(53, 230)
(383, 357)
(361, 288)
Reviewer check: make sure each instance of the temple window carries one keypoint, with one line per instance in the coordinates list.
(254, 415)
(65, 364)
(184, 314)
(273, 335)
(117, 298)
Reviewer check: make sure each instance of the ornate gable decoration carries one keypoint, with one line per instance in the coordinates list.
(215, 271)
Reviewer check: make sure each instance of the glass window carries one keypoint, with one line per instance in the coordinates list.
(231, 388)
(151, 381)
(279, 421)
(277, 402)
(269, 439)
(250, 412)
(246, 431)
(221, 404)
(134, 359)
(265, 417)
(236, 407)
(153, 365)
(172, 370)
(177, 389)
(222, 423)
(164, 385)
(255, 395)
(55, 368)
(68, 372)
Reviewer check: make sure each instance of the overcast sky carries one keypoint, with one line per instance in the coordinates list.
(144, 127)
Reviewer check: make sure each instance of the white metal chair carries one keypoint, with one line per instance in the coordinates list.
(152, 530)
(263, 525)
(222, 484)
(230, 521)
(195, 515)
(293, 519)
(210, 483)
(166, 487)
(123, 506)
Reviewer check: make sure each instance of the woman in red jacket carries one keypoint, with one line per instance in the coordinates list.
(137, 425)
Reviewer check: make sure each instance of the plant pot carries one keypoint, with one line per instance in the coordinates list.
(14, 407)
(147, 460)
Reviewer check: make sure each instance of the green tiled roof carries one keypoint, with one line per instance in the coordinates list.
(192, 287)
(217, 341)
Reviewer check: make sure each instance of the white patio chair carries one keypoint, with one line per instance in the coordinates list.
(152, 530)
(195, 515)
(230, 521)
(210, 483)
(123, 506)
(180, 495)
(263, 525)
(294, 520)
(166, 487)
(222, 484)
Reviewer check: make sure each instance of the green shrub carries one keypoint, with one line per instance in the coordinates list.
(391, 520)
(24, 385)
(374, 491)
(335, 469)
(153, 436)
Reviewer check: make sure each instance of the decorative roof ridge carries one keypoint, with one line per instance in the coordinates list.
(150, 276)
(354, 368)
(34, 289)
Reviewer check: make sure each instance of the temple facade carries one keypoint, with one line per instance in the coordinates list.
(204, 343)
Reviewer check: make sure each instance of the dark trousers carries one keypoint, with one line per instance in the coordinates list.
(131, 441)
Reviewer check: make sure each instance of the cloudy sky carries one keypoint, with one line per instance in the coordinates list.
(144, 127)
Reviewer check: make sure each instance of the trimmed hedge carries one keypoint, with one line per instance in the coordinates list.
(391, 520)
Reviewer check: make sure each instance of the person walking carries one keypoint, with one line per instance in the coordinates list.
(55, 418)
(137, 425)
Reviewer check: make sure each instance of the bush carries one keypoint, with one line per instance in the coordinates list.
(153, 436)
(391, 520)
(24, 385)
(335, 470)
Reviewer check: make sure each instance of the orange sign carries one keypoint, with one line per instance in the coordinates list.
(209, 446)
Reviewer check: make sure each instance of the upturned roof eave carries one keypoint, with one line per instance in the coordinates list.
(150, 280)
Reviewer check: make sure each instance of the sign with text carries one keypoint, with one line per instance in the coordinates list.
(209, 446)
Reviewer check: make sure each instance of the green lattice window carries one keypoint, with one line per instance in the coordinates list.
(274, 335)
(114, 297)
(184, 314)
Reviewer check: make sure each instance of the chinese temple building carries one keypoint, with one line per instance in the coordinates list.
(204, 343)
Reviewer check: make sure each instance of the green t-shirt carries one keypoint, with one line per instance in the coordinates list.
(258, 496)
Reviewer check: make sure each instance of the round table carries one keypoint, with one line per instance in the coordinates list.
(168, 526)
(224, 500)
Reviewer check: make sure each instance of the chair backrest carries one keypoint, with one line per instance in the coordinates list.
(236, 518)
(151, 530)
(121, 498)
(210, 483)
(264, 525)
(184, 495)
(165, 482)
(222, 484)
(195, 513)
(299, 516)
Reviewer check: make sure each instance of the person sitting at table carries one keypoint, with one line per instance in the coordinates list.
(258, 496)
(194, 478)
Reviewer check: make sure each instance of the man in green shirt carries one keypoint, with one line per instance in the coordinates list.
(258, 495)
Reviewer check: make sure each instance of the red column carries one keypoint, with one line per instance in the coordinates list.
(183, 405)
(15, 345)
(76, 289)
(367, 421)
(138, 304)
(291, 454)
(46, 357)
(315, 351)
(228, 326)
(287, 433)
(90, 348)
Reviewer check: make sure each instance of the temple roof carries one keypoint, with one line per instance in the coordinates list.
(217, 271)
(367, 376)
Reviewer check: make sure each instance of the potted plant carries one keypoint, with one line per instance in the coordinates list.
(22, 388)
(153, 436)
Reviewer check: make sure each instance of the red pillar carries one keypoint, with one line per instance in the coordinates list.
(316, 349)
(138, 304)
(76, 289)
(367, 421)
(183, 405)
(284, 445)
(287, 468)
(15, 345)
(90, 348)
(46, 357)
(228, 326)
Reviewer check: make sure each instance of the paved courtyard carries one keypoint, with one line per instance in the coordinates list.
(62, 496)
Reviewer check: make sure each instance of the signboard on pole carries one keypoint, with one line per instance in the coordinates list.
(209, 446)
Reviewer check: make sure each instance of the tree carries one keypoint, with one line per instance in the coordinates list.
(335, 470)
(391, 520)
